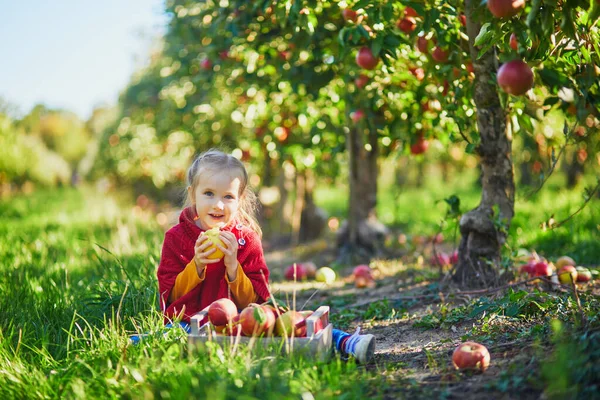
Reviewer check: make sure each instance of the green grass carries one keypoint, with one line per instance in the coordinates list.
(77, 275)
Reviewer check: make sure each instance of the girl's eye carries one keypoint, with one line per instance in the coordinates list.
(208, 193)
(230, 197)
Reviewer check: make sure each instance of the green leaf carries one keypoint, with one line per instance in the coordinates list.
(470, 149)
(484, 36)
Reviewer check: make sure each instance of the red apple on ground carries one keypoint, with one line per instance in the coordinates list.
(505, 8)
(440, 259)
(542, 268)
(222, 311)
(454, 257)
(362, 270)
(365, 58)
(257, 320)
(349, 15)
(286, 324)
(515, 77)
(583, 274)
(364, 282)
(361, 81)
(528, 268)
(295, 269)
(567, 274)
(471, 356)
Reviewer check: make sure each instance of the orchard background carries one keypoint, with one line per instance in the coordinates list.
(393, 134)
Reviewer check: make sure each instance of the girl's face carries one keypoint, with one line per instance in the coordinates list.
(216, 198)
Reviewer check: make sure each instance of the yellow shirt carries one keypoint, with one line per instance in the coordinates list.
(241, 287)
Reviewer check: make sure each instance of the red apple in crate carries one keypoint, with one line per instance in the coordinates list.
(583, 274)
(287, 322)
(363, 270)
(222, 311)
(257, 320)
(295, 269)
(542, 268)
(567, 274)
(471, 356)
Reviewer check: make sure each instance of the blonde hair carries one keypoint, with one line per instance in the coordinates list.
(216, 160)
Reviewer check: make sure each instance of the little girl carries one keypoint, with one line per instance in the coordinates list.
(189, 279)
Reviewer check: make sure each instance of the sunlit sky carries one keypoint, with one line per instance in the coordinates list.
(74, 54)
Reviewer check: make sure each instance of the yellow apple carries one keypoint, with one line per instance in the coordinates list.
(213, 235)
(564, 260)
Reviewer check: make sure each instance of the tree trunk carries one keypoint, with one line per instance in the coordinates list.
(574, 171)
(313, 219)
(484, 229)
(361, 237)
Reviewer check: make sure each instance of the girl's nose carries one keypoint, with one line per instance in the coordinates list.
(220, 205)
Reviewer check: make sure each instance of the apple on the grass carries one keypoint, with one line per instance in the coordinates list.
(222, 311)
(564, 260)
(567, 274)
(583, 274)
(362, 270)
(471, 356)
(542, 268)
(326, 275)
(295, 269)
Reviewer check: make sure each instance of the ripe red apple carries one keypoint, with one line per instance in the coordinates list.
(505, 8)
(349, 15)
(363, 282)
(311, 269)
(440, 55)
(583, 274)
(361, 81)
(463, 19)
(423, 44)
(411, 12)
(206, 64)
(515, 77)
(357, 116)
(528, 268)
(419, 73)
(470, 68)
(365, 58)
(542, 268)
(420, 146)
(454, 257)
(286, 324)
(441, 259)
(362, 270)
(567, 274)
(406, 24)
(300, 272)
(257, 320)
(471, 356)
(222, 311)
(513, 42)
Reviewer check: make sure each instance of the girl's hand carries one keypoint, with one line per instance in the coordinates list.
(201, 254)
(230, 250)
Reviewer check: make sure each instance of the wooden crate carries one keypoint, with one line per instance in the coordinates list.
(317, 344)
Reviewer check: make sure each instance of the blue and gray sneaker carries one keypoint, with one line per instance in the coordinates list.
(362, 347)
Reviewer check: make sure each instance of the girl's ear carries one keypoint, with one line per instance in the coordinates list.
(191, 194)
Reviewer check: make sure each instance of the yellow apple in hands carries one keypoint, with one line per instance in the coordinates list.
(213, 235)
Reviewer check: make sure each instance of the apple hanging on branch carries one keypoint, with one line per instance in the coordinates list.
(515, 77)
(365, 58)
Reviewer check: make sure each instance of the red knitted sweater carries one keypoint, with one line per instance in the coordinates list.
(178, 251)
